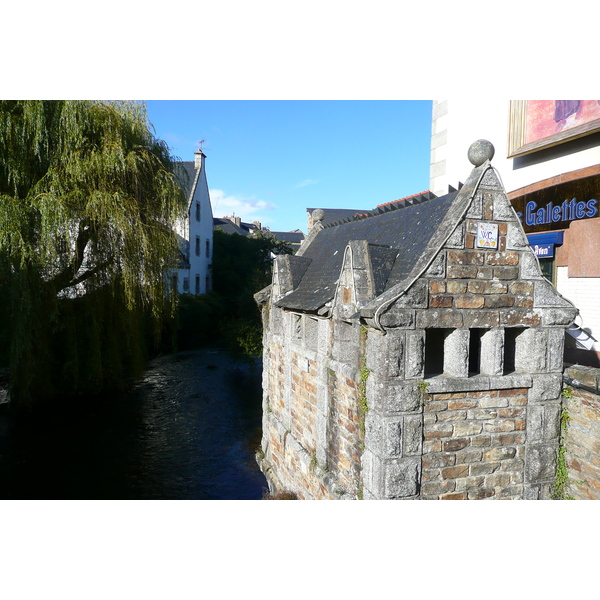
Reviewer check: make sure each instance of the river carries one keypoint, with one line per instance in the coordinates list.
(187, 430)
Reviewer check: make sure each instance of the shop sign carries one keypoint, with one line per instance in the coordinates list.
(569, 210)
(554, 207)
(543, 250)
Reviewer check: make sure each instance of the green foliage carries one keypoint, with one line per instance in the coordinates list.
(561, 484)
(362, 399)
(88, 200)
(241, 267)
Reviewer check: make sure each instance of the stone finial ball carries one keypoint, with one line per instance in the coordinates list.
(480, 151)
(318, 215)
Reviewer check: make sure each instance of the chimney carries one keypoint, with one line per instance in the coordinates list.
(238, 221)
(199, 156)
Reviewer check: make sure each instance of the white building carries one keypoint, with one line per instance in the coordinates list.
(547, 153)
(196, 231)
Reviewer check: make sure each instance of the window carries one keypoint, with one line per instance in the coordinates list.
(186, 284)
(510, 348)
(548, 267)
(207, 282)
(207, 248)
(197, 284)
(197, 245)
(197, 211)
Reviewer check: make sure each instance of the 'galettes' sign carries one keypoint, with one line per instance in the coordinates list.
(555, 207)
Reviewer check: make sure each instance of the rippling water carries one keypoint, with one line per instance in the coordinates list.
(188, 430)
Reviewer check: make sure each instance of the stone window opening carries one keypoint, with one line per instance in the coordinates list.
(475, 336)
(435, 340)
(511, 336)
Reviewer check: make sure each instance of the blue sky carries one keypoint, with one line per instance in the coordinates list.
(269, 161)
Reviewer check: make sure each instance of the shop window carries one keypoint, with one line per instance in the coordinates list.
(434, 351)
(511, 336)
(548, 267)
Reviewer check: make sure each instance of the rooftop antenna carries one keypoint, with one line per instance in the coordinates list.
(200, 143)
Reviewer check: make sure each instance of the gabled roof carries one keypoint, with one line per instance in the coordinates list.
(404, 226)
(188, 175)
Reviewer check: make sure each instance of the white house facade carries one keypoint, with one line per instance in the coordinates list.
(195, 231)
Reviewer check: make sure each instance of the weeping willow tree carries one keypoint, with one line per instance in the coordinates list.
(88, 201)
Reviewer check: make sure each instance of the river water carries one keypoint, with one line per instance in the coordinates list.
(188, 429)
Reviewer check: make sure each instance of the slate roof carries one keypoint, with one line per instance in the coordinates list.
(188, 174)
(292, 237)
(228, 226)
(404, 226)
(335, 215)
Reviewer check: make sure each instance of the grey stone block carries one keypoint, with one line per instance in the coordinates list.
(529, 266)
(412, 439)
(402, 397)
(437, 268)
(415, 354)
(540, 463)
(401, 477)
(558, 316)
(545, 387)
(457, 238)
(515, 237)
(543, 423)
(476, 209)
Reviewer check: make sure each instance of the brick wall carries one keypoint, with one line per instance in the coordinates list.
(474, 445)
(582, 437)
(311, 409)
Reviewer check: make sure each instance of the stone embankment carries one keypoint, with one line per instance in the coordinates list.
(582, 436)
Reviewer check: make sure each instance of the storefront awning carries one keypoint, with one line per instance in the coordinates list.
(543, 243)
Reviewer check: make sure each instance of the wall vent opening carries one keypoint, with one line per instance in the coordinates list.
(434, 351)
(475, 336)
(510, 346)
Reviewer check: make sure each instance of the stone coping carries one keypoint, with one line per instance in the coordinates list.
(478, 383)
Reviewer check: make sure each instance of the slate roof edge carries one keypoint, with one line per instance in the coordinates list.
(460, 205)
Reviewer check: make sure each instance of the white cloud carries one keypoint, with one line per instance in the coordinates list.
(305, 183)
(248, 208)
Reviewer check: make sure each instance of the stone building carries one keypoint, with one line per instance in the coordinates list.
(415, 353)
(548, 152)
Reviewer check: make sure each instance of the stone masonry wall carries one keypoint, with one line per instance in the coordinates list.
(474, 445)
(311, 409)
(582, 438)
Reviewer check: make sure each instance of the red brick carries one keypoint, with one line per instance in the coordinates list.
(469, 302)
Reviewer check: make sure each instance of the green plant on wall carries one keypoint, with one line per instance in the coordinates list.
(362, 398)
(424, 391)
(559, 492)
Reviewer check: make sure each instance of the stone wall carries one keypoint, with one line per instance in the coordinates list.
(312, 421)
(582, 436)
(474, 445)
